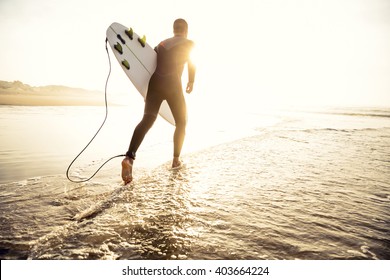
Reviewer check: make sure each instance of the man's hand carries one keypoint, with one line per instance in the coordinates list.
(190, 86)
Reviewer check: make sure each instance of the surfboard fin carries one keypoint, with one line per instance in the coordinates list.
(142, 41)
(121, 39)
(118, 47)
(126, 64)
(130, 33)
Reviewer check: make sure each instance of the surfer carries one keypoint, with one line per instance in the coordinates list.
(165, 84)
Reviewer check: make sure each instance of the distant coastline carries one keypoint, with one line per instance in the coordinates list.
(19, 94)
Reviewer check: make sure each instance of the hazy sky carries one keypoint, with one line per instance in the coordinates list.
(249, 53)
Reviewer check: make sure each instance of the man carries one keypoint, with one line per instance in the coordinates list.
(165, 84)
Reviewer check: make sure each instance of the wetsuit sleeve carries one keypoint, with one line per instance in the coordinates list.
(191, 72)
(191, 68)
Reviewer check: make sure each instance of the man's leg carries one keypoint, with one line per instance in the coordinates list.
(152, 105)
(179, 111)
(139, 134)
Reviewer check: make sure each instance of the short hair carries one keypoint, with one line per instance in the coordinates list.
(180, 25)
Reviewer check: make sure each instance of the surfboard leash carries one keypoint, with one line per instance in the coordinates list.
(97, 132)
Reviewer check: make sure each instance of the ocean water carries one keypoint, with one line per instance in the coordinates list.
(272, 185)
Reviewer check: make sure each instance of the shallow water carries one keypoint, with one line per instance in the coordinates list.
(308, 186)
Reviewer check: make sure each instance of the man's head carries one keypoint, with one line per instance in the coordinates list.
(180, 27)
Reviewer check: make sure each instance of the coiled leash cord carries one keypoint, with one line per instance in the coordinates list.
(97, 132)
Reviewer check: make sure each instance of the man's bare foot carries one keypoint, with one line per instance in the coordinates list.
(127, 170)
(176, 163)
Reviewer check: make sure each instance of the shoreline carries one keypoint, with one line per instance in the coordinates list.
(19, 94)
(46, 100)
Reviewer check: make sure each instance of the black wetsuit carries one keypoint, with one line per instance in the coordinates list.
(165, 84)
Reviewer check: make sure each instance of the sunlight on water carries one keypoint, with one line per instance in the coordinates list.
(298, 185)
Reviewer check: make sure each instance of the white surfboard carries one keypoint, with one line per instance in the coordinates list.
(137, 59)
